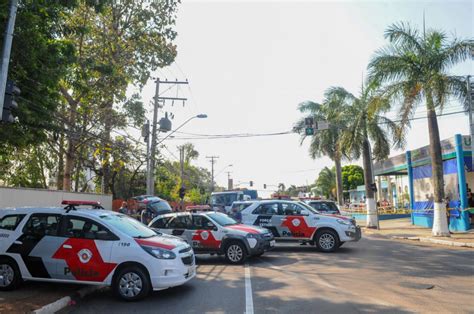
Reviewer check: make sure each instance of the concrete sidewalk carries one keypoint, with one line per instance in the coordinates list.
(402, 229)
(31, 296)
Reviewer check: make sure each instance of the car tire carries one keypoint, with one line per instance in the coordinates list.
(132, 284)
(235, 252)
(259, 254)
(327, 240)
(10, 274)
(341, 243)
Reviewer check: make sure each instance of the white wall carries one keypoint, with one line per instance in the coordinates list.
(19, 197)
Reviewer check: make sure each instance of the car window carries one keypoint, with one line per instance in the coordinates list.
(161, 223)
(83, 228)
(289, 209)
(201, 223)
(266, 209)
(10, 222)
(180, 222)
(324, 207)
(240, 206)
(40, 225)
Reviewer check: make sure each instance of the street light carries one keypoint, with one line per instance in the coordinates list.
(199, 116)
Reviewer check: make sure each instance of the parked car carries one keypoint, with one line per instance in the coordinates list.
(90, 246)
(150, 206)
(291, 220)
(214, 232)
(324, 206)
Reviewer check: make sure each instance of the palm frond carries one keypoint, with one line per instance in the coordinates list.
(403, 34)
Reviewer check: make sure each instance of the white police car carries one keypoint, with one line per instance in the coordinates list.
(90, 246)
(216, 233)
(292, 220)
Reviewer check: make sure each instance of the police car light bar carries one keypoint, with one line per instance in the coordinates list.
(71, 205)
(79, 203)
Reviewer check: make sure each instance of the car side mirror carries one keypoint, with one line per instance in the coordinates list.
(215, 229)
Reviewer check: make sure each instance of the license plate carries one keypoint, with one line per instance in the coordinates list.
(272, 243)
(191, 271)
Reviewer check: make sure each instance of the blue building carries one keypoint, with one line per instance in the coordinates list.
(415, 165)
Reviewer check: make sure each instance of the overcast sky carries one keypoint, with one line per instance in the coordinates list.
(249, 64)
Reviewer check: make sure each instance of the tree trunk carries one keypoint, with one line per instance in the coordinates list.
(440, 222)
(339, 190)
(106, 148)
(71, 139)
(372, 218)
(60, 175)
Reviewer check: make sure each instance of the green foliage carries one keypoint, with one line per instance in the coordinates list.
(326, 183)
(352, 177)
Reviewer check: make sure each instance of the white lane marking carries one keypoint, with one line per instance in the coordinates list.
(248, 291)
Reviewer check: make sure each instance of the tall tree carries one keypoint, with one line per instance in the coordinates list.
(352, 177)
(367, 123)
(190, 152)
(326, 142)
(117, 45)
(415, 66)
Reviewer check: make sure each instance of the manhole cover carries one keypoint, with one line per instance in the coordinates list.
(416, 285)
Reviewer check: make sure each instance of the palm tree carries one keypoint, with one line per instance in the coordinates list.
(325, 142)
(367, 123)
(416, 66)
(325, 183)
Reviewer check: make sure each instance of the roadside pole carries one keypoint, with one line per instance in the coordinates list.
(7, 47)
(181, 168)
(471, 120)
(213, 161)
(150, 187)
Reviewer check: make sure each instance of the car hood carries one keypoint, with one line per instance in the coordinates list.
(246, 229)
(161, 241)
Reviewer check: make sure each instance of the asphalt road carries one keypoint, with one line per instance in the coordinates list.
(373, 275)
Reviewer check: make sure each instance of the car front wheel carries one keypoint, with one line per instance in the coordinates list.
(132, 284)
(235, 253)
(10, 277)
(327, 240)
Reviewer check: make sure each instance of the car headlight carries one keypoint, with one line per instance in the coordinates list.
(252, 236)
(344, 222)
(160, 253)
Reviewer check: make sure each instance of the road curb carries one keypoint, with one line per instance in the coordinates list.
(68, 300)
(436, 241)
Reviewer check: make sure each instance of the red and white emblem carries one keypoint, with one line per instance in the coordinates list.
(84, 256)
(204, 235)
(296, 222)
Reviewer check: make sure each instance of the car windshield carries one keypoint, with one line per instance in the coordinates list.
(222, 219)
(224, 199)
(160, 205)
(129, 226)
(323, 207)
(306, 206)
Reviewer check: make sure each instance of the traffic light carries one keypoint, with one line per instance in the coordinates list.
(182, 192)
(309, 121)
(373, 187)
(251, 183)
(264, 186)
(309, 131)
(9, 103)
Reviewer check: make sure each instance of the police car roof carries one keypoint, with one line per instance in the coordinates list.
(55, 210)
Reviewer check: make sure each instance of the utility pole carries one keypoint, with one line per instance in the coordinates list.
(150, 181)
(230, 182)
(7, 47)
(181, 168)
(213, 161)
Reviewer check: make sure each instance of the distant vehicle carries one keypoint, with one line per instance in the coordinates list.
(150, 206)
(89, 246)
(222, 201)
(324, 206)
(198, 208)
(290, 220)
(212, 232)
(240, 205)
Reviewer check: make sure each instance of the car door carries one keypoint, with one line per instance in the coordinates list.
(205, 234)
(267, 217)
(180, 226)
(37, 244)
(86, 250)
(297, 222)
(161, 225)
